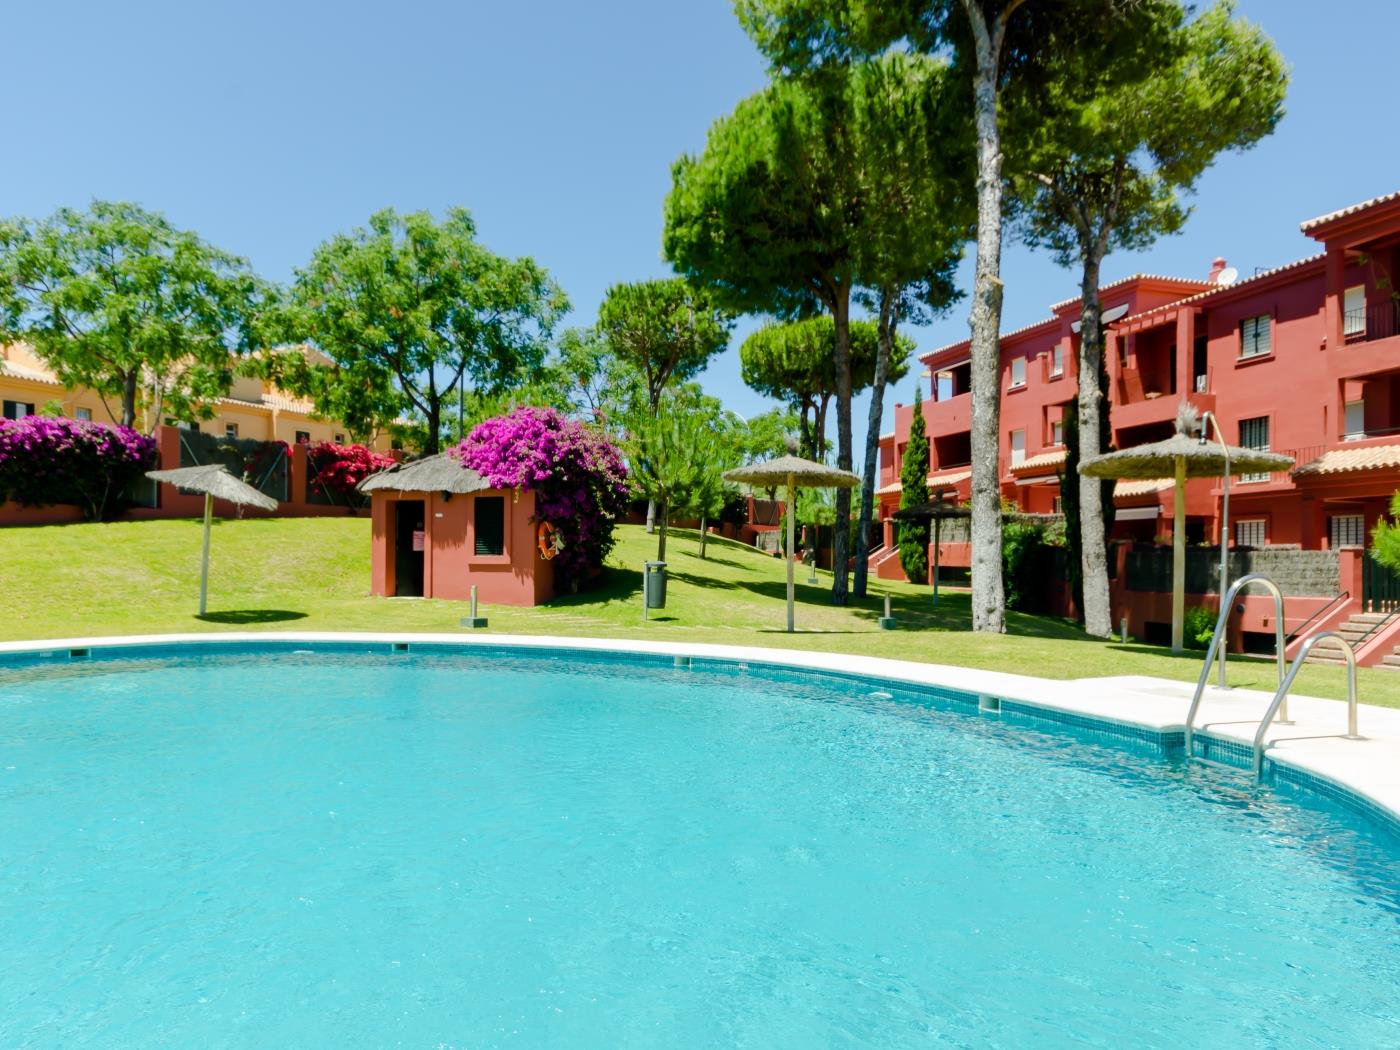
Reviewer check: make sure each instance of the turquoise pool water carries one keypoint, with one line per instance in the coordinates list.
(372, 850)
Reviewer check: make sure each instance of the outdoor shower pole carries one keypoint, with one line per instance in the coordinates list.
(204, 562)
(1209, 417)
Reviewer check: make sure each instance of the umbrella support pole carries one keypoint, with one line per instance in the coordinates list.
(791, 546)
(204, 560)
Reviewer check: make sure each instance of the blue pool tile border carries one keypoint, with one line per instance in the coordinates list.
(1165, 742)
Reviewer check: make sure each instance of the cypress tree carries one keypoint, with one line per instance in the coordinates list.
(912, 536)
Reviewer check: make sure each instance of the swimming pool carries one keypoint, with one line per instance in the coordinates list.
(271, 848)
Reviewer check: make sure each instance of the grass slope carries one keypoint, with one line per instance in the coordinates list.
(313, 574)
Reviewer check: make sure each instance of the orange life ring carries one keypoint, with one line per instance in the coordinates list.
(545, 535)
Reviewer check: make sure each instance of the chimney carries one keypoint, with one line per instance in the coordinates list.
(1216, 269)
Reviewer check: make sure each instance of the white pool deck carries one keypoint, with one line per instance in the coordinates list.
(1369, 767)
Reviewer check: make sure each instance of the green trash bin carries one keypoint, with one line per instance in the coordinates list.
(654, 578)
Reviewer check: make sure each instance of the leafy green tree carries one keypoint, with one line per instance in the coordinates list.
(666, 331)
(767, 217)
(1001, 48)
(917, 218)
(407, 308)
(720, 445)
(118, 300)
(794, 362)
(1109, 168)
(913, 481)
(667, 451)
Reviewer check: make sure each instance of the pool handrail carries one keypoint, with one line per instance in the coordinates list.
(1217, 642)
(1286, 684)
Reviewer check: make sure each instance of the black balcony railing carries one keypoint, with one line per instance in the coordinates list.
(1376, 321)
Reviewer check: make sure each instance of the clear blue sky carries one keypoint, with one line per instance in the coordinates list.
(269, 126)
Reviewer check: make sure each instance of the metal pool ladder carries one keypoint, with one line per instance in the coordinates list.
(1284, 686)
(1217, 645)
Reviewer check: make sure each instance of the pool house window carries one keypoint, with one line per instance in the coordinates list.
(1346, 530)
(490, 525)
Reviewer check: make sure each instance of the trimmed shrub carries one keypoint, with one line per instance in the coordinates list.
(1199, 625)
(44, 461)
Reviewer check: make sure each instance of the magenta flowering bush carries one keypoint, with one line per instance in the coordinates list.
(46, 460)
(577, 476)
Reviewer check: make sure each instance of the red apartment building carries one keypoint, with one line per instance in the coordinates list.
(1302, 359)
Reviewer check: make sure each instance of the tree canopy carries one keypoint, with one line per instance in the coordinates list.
(666, 330)
(794, 363)
(406, 308)
(1116, 145)
(119, 300)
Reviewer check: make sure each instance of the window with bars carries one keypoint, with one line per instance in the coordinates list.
(1254, 433)
(1250, 533)
(1347, 530)
(1256, 336)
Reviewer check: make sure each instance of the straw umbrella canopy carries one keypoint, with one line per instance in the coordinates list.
(215, 482)
(792, 471)
(937, 510)
(1182, 456)
(440, 473)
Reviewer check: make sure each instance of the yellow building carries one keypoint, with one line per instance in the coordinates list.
(253, 409)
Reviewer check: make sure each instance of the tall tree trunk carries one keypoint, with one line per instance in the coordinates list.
(129, 399)
(805, 443)
(841, 541)
(1093, 544)
(819, 430)
(872, 444)
(663, 512)
(988, 595)
(434, 442)
(702, 535)
(651, 516)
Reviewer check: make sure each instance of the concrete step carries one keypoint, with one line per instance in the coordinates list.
(1371, 617)
(1390, 660)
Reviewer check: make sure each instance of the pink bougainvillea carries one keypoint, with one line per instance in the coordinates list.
(577, 476)
(46, 460)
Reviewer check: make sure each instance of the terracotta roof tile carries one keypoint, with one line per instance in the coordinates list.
(1142, 488)
(1342, 213)
(1345, 460)
(1041, 463)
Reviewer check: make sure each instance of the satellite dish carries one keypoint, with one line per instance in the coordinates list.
(1229, 275)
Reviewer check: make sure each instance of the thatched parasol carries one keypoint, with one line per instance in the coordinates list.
(215, 482)
(1181, 456)
(936, 511)
(792, 471)
(440, 473)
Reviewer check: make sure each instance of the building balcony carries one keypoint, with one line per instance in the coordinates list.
(951, 416)
(1370, 323)
(1159, 409)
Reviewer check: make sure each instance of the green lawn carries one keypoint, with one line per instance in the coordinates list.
(313, 574)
